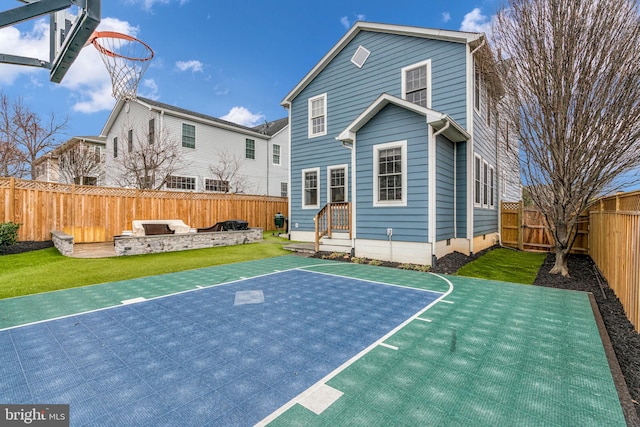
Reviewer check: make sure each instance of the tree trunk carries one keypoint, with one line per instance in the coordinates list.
(560, 267)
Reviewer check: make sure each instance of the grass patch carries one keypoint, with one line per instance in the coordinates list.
(46, 270)
(505, 265)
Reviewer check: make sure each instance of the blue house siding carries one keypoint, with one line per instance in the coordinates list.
(409, 223)
(350, 90)
(445, 188)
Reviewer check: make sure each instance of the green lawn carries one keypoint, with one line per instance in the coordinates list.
(505, 265)
(46, 270)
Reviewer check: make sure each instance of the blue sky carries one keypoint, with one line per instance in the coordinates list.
(234, 60)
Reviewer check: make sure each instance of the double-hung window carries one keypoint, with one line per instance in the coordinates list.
(477, 171)
(250, 149)
(188, 136)
(152, 131)
(390, 170)
(337, 184)
(130, 140)
(485, 184)
(416, 82)
(318, 115)
(276, 154)
(310, 191)
(115, 146)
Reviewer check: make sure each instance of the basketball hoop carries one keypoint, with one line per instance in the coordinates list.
(126, 59)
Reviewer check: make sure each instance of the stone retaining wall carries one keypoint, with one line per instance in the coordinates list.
(129, 245)
(63, 242)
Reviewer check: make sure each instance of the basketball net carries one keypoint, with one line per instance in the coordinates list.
(126, 59)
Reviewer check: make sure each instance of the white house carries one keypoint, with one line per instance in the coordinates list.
(260, 154)
(79, 160)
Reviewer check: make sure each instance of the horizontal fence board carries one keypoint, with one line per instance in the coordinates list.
(96, 214)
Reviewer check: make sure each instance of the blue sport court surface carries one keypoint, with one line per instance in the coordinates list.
(293, 341)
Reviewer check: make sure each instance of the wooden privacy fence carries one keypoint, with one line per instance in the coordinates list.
(615, 248)
(525, 228)
(96, 214)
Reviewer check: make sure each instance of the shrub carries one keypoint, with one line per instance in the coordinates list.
(8, 233)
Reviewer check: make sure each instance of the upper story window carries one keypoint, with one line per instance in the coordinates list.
(181, 182)
(360, 57)
(130, 140)
(115, 146)
(250, 149)
(318, 116)
(152, 130)
(188, 136)
(276, 154)
(390, 169)
(416, 83)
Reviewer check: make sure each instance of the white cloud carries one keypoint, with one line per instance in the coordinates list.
(192, 65)
(148, 4)
(446, 17)
(242, 116)
(33, 44)
(476, 22)
(148, 88)
(346, 23)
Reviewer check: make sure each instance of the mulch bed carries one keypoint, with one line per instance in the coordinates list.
(21, 247)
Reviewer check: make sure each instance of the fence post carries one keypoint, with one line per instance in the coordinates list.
(12, 199)
(520, 225)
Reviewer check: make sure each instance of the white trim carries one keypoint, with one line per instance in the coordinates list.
(484, 184)
(376, 158)
(317, 205)
(346, 180)
(310, 101)
(425, 63)
(477, 108)
(477, 192)
(358, 53)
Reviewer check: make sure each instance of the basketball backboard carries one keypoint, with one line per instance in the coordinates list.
(72, 23)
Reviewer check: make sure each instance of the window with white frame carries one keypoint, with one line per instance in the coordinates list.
(485, 184)
(152, 131)
(318, 115)
(310, 191)
(337, 181)
(130, 140)
(250, 149)
(284, 189)
(217, 185)
(477, 177)
(390, 174)
(416, 82)
(360, 57)
(276, 154)
(188, 135)
(176, 182)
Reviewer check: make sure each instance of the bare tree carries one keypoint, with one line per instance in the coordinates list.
(25, 130)
(12, 159)
(81, 164)
(145, 160)
(572, 89)
(228, 172)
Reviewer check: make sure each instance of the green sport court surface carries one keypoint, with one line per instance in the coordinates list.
(484, 353)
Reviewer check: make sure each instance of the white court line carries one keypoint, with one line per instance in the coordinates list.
(448, 302)
(392, 347)
(133, 300)
(311, 390)
(423, 319)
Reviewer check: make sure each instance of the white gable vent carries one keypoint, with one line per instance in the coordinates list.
(360, 56)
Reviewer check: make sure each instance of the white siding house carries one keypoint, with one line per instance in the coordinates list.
(260, 153)
(79, 160)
